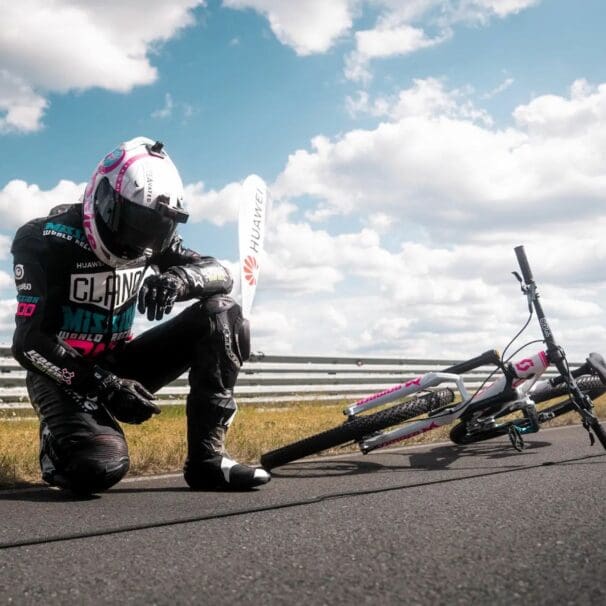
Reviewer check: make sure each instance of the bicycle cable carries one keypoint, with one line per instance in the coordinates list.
(517, 336)
(503, 360)
(519, 349)
(524, 327)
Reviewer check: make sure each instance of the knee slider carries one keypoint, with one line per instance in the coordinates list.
(96, 464)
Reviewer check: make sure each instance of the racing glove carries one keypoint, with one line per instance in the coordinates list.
(159, 293)
(127, 400)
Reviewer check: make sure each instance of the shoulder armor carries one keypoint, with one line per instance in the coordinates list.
(57, 210)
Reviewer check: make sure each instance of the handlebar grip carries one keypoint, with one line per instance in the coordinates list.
(488, 357)
(523, 263)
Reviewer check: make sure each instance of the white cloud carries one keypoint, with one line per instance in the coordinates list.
(426, 300)
(308, 26)
(386, 41)
(20, 202)
(503, 86)
(380, 222)
(552, 116)
(172, 108)
(435, 159)
(5, 245)
(458, 195)
(67, 45)
(402, 28)
(6, 280)
(315, 26)
(8, 307)
(482, 10)
(217, 207)
(22, 106)
(167, 110)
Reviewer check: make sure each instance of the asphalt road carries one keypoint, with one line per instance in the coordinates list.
(430, 525)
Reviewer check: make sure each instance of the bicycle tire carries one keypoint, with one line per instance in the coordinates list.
(598, 430)
(356, 428)
(589, 384)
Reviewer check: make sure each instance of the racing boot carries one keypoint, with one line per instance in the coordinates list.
(224, 344)
(208, 466)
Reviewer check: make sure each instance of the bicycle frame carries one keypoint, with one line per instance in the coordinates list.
(482, 404)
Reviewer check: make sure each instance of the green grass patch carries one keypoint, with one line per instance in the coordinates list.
(159, 445)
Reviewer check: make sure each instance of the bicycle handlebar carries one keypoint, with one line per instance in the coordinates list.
(488, 357)
(524, 265)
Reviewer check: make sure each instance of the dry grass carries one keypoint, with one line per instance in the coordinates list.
(159, 445)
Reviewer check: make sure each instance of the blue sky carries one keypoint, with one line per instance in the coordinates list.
(254, 101)
(453, 128)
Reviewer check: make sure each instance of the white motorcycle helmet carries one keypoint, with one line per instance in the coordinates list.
(133, 203)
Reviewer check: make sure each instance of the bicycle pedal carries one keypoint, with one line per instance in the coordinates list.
(516, 439)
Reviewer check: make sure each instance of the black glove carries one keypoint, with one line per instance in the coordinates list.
(126, 399)
(159, 293)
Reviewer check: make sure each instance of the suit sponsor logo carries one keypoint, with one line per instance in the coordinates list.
(27, 299)
(63, 375)
(88, 332)
(251, 269)
(88, 264)
(19, 272)
(84, 324)
(256, 231)
(65, 232)
(26, 305)
(106, 289)
(26, 310)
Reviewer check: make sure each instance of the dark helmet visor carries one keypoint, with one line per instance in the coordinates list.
(135, 228)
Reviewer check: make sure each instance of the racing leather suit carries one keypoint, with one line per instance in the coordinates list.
(75, 316)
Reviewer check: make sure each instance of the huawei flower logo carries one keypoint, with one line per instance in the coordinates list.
(251, 268)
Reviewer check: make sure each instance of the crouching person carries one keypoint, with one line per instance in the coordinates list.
(80, 279)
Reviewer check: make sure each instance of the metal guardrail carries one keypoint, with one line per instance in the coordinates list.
(273, 378)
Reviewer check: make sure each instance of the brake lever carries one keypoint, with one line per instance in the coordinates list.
(528, 289)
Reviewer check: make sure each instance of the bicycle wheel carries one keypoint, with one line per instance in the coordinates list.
(588, 384)
(356, 428)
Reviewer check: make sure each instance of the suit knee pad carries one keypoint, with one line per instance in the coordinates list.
(229, 321)
(95, 464)
(242, 333)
